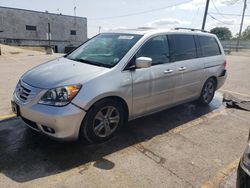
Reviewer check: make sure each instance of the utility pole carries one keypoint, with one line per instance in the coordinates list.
(241, 25)
(205, 16)
(49, 34)
(0, 46)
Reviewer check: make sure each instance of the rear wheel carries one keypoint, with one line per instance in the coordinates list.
(102, 121)
(207, 93)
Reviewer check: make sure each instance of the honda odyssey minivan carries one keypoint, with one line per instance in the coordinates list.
(119, 76)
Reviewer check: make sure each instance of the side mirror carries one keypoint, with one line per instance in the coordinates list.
(143, 62)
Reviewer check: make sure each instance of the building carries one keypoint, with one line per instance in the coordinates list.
(31, 28)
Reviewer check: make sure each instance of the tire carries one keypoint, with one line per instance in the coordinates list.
(207, 93)
(102, 121)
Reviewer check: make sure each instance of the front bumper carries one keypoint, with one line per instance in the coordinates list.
(243, 179)
(61, 123)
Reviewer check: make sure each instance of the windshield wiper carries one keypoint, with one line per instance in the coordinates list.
(91, 62)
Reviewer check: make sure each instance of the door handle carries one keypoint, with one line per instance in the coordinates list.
(182, 68)
(168, 71)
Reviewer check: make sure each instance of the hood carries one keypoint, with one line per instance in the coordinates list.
(61, 72)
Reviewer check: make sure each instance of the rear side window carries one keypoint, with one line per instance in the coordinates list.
(209, 46)
(182, 47)
(157, 49)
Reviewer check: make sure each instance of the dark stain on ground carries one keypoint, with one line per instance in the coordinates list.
(26, 155)
(104, 164)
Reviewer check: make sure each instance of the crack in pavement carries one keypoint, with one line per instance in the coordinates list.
(158, 160)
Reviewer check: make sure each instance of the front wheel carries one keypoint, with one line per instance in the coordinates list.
(102, 121)
(207, 93)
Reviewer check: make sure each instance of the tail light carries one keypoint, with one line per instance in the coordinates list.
(225, 63)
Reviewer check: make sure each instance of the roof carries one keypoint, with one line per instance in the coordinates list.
(139, 31)
(150, 30)
(40, 12)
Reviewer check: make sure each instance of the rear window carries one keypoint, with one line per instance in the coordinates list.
(182, 47)
(209, 46)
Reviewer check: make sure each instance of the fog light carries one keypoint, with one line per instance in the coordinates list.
(48, 129)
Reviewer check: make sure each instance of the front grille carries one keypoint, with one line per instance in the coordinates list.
(24, 92)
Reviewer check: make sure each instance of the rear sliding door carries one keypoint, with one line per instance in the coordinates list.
(190, 68)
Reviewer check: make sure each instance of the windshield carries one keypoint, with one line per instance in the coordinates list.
(105, 49)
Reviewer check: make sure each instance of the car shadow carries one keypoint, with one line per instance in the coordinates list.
(26, 155)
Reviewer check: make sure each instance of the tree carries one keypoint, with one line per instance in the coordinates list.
(246, 33)
(223, 33)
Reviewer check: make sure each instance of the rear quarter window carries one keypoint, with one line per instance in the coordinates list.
(182, 47)
(209, 46)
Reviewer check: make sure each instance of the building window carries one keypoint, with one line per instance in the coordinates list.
(73, 32)
(30, 28)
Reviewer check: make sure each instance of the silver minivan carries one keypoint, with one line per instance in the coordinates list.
(119, 76)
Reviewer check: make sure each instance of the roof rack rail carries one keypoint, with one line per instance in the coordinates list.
(145, 27)
(191, 29)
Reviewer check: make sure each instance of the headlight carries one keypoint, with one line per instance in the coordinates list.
(60, 96)
(245, 161)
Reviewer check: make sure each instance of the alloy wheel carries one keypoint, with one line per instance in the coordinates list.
(106, 121)
(208, 92)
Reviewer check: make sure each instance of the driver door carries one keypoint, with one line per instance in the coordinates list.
(153, 87)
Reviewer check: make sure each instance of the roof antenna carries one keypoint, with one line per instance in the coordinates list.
(75, 10)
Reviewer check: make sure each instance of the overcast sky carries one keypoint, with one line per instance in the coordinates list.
(113, 14)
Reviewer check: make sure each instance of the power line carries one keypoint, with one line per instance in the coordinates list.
(228, 14)
(232, 2)
(221, 21)
(139, 13)
(217, 9)
(195, 15)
